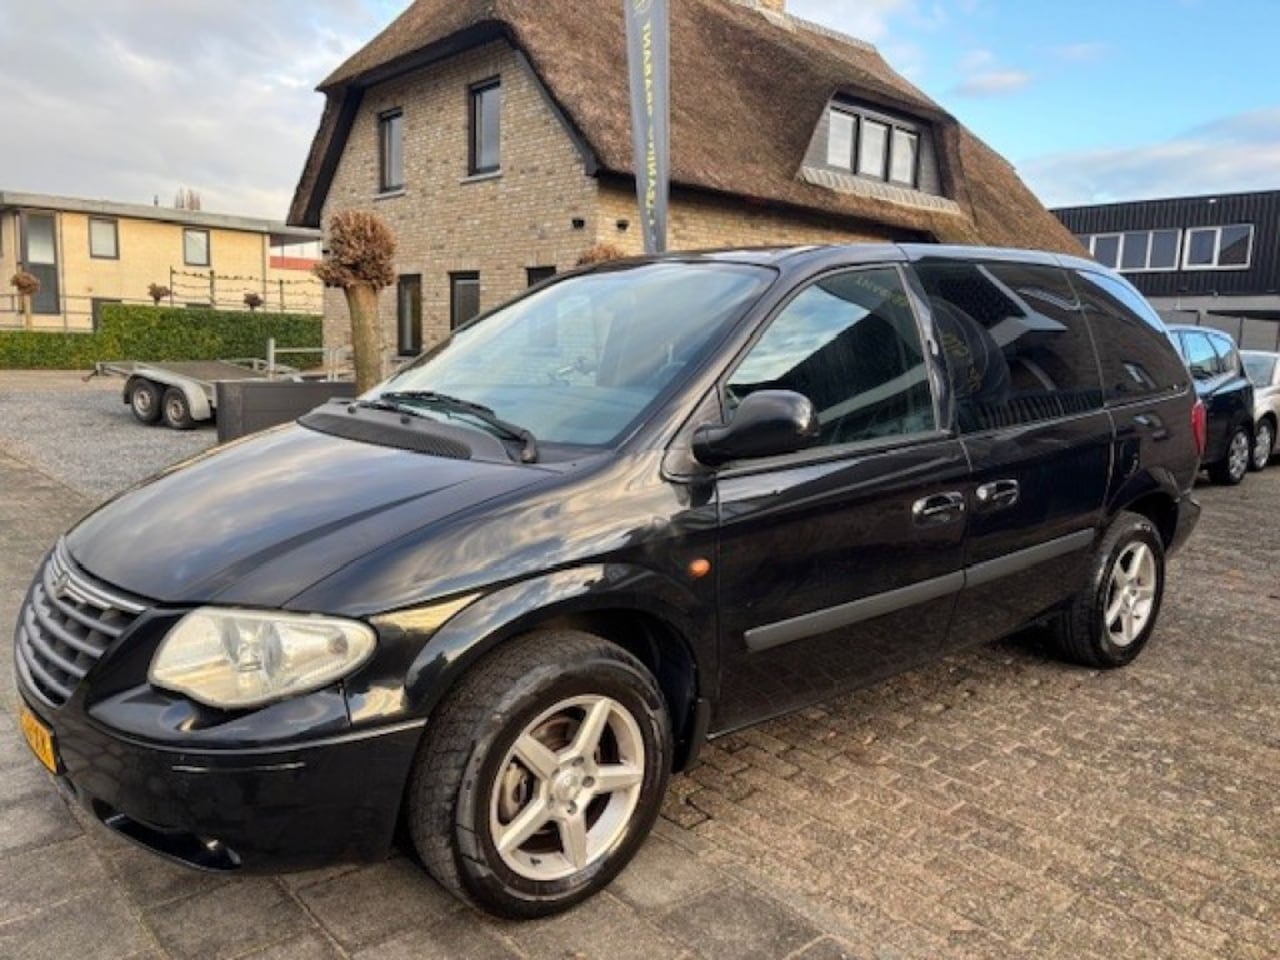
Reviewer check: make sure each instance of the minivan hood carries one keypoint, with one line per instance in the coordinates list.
(257, 522)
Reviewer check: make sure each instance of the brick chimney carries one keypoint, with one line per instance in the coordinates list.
(778, 6)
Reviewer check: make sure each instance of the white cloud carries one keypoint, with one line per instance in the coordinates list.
(131, 99)
(865, 19)
(1079, 52)
(993, 83)
(975, 60)
(1232, 154)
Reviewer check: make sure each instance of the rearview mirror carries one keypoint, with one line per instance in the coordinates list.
(768, 423)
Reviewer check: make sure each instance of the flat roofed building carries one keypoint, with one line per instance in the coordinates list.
(88, 253)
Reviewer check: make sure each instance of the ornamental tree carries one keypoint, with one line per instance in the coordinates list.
(360, 262)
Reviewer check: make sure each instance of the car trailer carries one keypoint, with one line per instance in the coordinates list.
(183, 393)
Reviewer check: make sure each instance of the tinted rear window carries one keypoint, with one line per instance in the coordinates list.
(1137, 358)
(1016, 342)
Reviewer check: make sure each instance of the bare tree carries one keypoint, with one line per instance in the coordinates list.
(359, 261)
(27, 285)
(186, 199)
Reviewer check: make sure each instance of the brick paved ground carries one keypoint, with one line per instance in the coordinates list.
(996, 804)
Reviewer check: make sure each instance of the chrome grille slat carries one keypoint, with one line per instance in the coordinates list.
(68, 610)
(68, 623)
(46, 652)
(43, 618)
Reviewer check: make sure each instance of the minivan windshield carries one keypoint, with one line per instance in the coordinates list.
(582, 359)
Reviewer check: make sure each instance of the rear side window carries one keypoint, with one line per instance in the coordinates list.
(1017, 345)
(849, 343)
(1133, 346)
(1228, 360)
(1203, 362)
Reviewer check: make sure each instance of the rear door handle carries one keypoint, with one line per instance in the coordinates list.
(998, 494)
(938, 508)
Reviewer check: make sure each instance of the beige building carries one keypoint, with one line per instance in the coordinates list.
(87, 253)
(494, 137)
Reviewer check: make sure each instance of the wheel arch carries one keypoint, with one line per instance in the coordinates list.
(646, 619)
(1154, 495)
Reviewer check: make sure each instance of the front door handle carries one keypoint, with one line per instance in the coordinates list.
(938, 508)
(998, 494)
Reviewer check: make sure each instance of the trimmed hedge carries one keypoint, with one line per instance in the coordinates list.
(163, 333)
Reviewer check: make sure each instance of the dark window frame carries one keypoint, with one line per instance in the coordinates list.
(536, 275)
(457, 279)
(390, 122)
(208, 247)
(475, 127)
(115, 238)
(412, 345)
(48, 301)
(893, 126)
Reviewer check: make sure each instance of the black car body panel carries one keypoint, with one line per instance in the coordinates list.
(937, 511)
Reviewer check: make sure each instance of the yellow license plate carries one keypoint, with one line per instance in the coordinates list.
(39, 738)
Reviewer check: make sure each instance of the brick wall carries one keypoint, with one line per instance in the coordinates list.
(697, 222)
(445, 221)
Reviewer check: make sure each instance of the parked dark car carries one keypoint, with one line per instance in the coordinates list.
(1263, 370)
(1227, 394)
(502, 596)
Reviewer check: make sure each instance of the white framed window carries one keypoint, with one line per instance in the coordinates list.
(1219, 248)
(195, 248)
(1135, 251)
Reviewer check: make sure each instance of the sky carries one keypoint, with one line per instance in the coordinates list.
(1092, 100)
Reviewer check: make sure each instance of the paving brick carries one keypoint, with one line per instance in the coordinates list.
(237, 918)
(737, 924)
(374, 903)
(92, 926)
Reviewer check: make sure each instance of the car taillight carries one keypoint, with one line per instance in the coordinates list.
(1200, 427)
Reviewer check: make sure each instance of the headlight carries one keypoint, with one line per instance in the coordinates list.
(244, 658)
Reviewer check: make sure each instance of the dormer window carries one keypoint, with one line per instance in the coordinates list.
(872, 144)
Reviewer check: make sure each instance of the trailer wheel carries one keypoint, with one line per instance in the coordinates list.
(177, 411)
(144, 399)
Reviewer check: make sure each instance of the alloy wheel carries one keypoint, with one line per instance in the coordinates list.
(1130, 594)
(1238, 455)
(566, 790)
(1262, 446)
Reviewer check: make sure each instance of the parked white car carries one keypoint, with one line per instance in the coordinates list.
(1263, 369)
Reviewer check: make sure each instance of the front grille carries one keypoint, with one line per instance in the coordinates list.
(68, 622)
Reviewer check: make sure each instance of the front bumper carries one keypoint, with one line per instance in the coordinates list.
(259, 809)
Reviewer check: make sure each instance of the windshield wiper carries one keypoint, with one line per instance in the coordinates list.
(400, 399)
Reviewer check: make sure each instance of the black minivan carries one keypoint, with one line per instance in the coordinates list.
(499, 598)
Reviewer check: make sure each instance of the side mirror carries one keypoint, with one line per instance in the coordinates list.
(768, 423)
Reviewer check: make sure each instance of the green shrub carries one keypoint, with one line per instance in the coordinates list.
(131, 332)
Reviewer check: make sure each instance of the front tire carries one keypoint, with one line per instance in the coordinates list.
(1264, 441)
(1232, 468)
(541, 774)
(1109, 622)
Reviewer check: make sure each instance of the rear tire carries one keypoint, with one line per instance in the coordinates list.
(541, 774)
(1264, 442)
(177, 411)
(144, 400)
(1231, 469)
(1109, 622)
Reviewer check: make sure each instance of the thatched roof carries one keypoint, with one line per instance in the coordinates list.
(748, 89)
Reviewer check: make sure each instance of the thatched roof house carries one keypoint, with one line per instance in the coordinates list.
(782, 132)
(748, 90)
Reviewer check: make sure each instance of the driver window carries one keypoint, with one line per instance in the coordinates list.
(849, 343)
(1200, 356)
